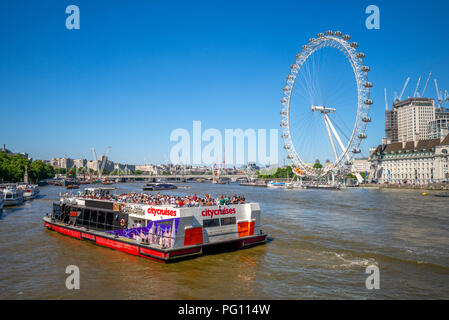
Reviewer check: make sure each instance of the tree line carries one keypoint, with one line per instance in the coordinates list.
(12, 168)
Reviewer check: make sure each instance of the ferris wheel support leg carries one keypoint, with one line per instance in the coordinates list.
(326, 119)
(358, 176)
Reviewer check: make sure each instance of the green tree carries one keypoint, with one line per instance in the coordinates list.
(38, 170)
(12, 167)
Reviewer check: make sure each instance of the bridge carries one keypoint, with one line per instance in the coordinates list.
(184, 177)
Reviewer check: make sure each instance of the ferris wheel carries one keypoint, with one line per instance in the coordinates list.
(324, 111)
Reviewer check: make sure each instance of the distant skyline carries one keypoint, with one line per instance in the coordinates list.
(137, 70)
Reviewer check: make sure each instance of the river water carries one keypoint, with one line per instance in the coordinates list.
(321, 243)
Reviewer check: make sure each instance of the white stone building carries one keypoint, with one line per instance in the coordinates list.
(411, 162)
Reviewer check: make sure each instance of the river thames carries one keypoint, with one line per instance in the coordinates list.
(320, 243)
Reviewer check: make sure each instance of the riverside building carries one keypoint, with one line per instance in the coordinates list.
(411, 162)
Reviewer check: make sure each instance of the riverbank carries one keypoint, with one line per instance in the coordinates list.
(433, 186)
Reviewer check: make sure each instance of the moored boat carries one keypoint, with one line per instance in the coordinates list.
(158, 186)
(30, 191)
(274, 184)
(163, 232)
(12, 196)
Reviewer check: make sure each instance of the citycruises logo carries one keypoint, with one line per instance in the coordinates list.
(217, 212)
(162, 212)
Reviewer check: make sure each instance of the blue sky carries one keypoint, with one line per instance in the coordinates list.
(136, 70)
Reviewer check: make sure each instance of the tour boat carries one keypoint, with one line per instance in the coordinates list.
(13, 196)
(158, 186)
(164, 233)
(274, 184)
(29, 191)
(2, 201)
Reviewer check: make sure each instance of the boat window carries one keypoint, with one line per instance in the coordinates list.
(86, 217)
(109, 220)
(211, 223)
(93, 218)
(101, 219)
(226, 221)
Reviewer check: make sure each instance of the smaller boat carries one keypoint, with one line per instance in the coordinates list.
(30, 191)
(12, 196)
(158, 186)
(72, 186)
(277, 185)
(441, 195)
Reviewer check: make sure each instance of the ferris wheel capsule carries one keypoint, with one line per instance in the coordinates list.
(283, 112)
(366, 119)
(365, 69)
(356, 150)
(368, 84)
(320, 35)
(360, 55)
(304, 47)
(283, 100)
(354, 44)
(346, 37)
(329, 33)
(286, 88)
(312, 40)
(362, 136)
(368, 101)
(338, 33)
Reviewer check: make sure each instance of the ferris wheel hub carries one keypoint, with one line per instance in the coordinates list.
(323, 109)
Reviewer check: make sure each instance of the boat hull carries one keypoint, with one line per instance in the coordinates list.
(14, 202)
(146, 251)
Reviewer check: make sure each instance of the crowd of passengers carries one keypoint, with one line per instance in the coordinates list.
(163, 199)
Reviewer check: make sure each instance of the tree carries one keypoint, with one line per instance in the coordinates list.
(38, 170)
(12, 167)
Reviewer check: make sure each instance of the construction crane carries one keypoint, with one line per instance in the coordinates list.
(416, 89)
(403, 89)
(425, 87)
(439, 94)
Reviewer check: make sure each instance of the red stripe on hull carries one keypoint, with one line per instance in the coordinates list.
(150, 252)
(72, 233)
(185, 251)
(88, 236)
(128, 248)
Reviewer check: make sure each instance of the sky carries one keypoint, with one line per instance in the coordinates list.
(137, 70)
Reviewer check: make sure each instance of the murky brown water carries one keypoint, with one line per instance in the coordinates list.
(322, 242)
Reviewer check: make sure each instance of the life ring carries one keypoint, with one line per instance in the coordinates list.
(122, 222)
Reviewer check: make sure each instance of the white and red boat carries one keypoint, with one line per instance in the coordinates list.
(162, 233)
